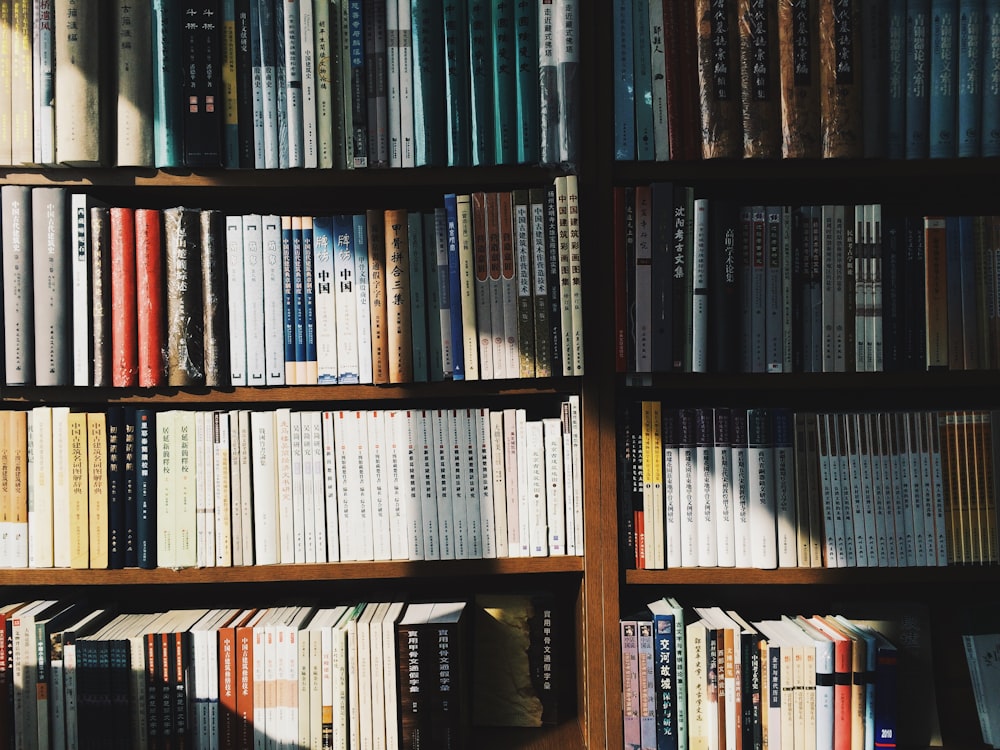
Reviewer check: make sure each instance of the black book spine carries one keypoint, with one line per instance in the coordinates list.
(244, 86)
(131, 538)
(626, 524)
(201, 37)
(662, 289)
(116, 486)
(145, 488)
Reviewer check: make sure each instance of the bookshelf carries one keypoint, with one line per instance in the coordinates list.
(575, 580)
(930, 185)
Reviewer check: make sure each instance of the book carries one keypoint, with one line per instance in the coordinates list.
(149, 299)
(168, 122)
(428, 84)
(51, 275)
(840, 78)
(760, 82)
(81, 85)
(400, 339)
(505, 75)
(799, 76)
(719, 80)
(19, 360)
(185, 342)
(201, 49)
(215, 320)
(942, 105)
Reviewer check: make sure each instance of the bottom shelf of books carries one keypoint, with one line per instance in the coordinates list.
(304, 669)
(750, 666)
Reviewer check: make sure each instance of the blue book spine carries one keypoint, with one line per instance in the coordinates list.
(428, 83)
(309, 298)
(886, 695)
(167, 83)
(917, 78)
(481, 82)
(418, 296)
(145, 487)
(435, 346)
(256, 54)
(970, 81)
(896, 54)
(943, 95)
(268, 85)
(504, 82)
(288, 296)
(526, 51)
(990, 130)
(642, 82)
(624, 86)
(346, 293)
(666, 684)
(455, 288)
(458, 108)
(361, 277)
(298, 294)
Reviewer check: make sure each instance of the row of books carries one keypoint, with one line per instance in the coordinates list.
(769, 487)
(803, 288)
(177, 488)
(303, 84)
(897, 79)
(705, 676)
(384, 674)
(486, 285)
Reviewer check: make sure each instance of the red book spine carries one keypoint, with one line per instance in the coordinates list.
(228, 688)
(149, 296)
(124, 356)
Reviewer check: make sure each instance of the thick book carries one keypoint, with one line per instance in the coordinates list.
(185, 343)
(19, 338)
(377, 279)
(215, 321)
(719, 79)
(134, 92)
(799, 66)
(399, 341)
(943, 63)
(124, 317)
(841, 79)
(505, 71)
(100, 318)
(150, 303)
(51, 274)
(167, 84)
(480, 39)
(456, 37)
(82, 86)
(916, 137)
(760, 89)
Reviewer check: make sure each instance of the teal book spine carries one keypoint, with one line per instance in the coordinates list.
(481, 82)
(526, 51)
(642, 81)
(624, 91)
(970, 78)
(895, 130)
(458, 110)
(428, 83)
(504, 82)
(991, 79)
(943, 94)
(917, 79)
(167, 82)
(359, 86)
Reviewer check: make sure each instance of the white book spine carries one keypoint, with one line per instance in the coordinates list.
(569, 481)
(706, 476)
(441, 430)
(274, 336)
(40, 488)
(916, 510)
(269, 91)
(377, 485)
(467, 287)
(80, 273)
(937, 473)
(784, 487)
(325, 301)
(44, 72)
(425, 452)
(187, 523)
(208, 526)
(538, 535)
(265, 490)
(222, 489)
(484, 469)
(331, 468)
(688, 508)
(310, 138)
(319, 521)
(298, 493)
(406, 127)
(927, 486)
(407, 425)
(522, 459)
(498, 483)
(293, 83)
(253, 270)
(513, 482)
(284, 498)
(235, 278)
(723, 488)
(763, 529)
(398, 478)
(60, 487)
(555, 497)
(306, 475)
(475, 495)
(845, 520)
(458, 463)
(870, 520)
(878, 483)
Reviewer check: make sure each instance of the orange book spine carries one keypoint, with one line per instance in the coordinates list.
(124, 343)
(149, 298)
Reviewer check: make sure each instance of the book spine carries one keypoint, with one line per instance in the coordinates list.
(51, 273)
(799, 76)
(718, 81)
(918, 82)
(990, 79)
(505, 73)
(971, 58)
(293, 84)
(759, 79)
(841, 79)
(943, 97)
(134, 125)
(124, 340)
(149, 291)
(168, 125)
(458, 105)
(184, 320)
